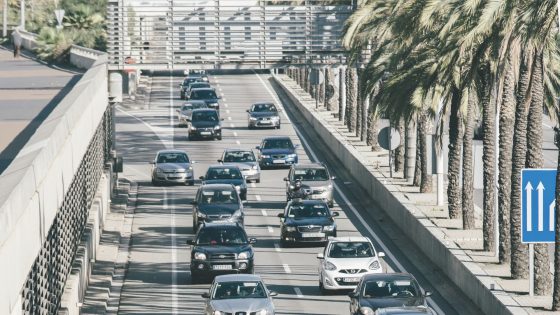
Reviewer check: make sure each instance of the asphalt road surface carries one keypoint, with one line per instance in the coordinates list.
(158, 278)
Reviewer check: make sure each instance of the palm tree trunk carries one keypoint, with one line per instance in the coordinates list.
(341, 93)
(488, 159)
(454, 159)
(321, 89)
(329, 83)
(371, 138)
(426, 184)
(556, 286)
(507, 117)
(519, 258)
(352, 98)
(365, 126)
(399, 152)
(410, 145)
(468, 190)
(419, 150)
(359, 103)
(535, 160)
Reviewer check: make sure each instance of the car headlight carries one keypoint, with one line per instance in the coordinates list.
(217, 127)
(244, 255)
(329, 187)
(159, 170)
(264, 156)
(200, 256)
(366, 310)
(201, 215)
(328, 228)
(262, 312)
(213, 104)
(238, 188)
(255, 167)
(218, 313)
(193, 128)
(190, 168)
(293, 155)
(236, 215)
(374, 265)
(252, 118)
(329, 266)
(274, 118)
(291, 229)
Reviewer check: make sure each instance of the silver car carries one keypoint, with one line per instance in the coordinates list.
(245, 160)
(239, 294)
(315, 180)
(185, 113)
(172, 167)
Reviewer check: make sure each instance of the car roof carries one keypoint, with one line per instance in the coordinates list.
(349, 239)
(217, 186)
(204, 110)
(238, 277)
(204, 89)
(387, 276)
(238, 150)
(309, 165)
(223, 166)
(171, 151)
(195, 102)
(264, 102)
(277, 137)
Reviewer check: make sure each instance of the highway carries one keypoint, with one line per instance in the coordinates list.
(158, 279)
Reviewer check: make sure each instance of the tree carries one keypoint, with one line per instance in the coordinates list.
(351, 98)
(341, 93)
(467, 193)
(454, 156)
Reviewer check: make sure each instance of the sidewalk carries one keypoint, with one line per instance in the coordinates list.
(466, 245)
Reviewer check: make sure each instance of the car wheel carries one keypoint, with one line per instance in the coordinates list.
(331, 204)
(220, 138)
(244, 197)
(278, 127)
(284, 244)
(194, 227)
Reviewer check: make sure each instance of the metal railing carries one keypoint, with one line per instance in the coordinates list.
(176, 34)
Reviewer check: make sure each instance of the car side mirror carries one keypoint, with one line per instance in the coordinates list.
(380, 254)
(320, 256)
(280, 215)
(205, 295)
(296, 146)
(272, 293)
(428, 293)
(190, 242)
(252, 240)
(194, 202)
(201, 177)
(152, 162)
(219, 97)
(220, 161)
(333, 177)
(353, 295)
(247, 110)
(258, 147)
(178, 110)
(335, 214)
(286, 179)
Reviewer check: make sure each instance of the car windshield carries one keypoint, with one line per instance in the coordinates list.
(205, 116)
(191, 106)
(187, 81)
(239, 156)
(351, 250)
(218, 196)
(221, 236)
(264, 108)
(172, 158)
(307, 211)
(203, 94)
(223, 173)
(199, 85)
(311, 174)
(239, 290)
(394, 288)
(278, 144)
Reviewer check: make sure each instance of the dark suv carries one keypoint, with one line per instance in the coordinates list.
(186, 82)
(217, 202)
(208, 95)
(205, 123)
(220, 248)
(307, 221)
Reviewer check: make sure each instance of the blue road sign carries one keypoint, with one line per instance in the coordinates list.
(538, 205)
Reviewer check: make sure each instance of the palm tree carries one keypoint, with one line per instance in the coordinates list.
(556, 284)
(454, 159)
(426, 184)
(467, 193)
(399, 151)
(359, 103)
(372, 117)
(351, 98)
(341, 92)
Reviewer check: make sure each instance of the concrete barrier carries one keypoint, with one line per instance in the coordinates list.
(35, 183)
(84, 58)
(446, 255)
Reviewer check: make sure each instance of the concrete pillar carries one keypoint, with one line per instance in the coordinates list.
(5, 19)
(22, 14)
(116, 86)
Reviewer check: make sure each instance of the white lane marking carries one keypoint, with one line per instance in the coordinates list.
(271, 230)
(223, 97)
(232, 125)
(237, 142)
(174, 295)
(264, 213)
(235, 134)
(345, 199)
(277, 247)
(258, 198)
(253, 185)
(287, 268)
(227, 111)
(298, 292)
(219, 88)
(229, 118)
(226, 105)
(158, 131)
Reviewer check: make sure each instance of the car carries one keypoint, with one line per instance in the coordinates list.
(315, 180)
(208, 95)
(172, 167)
(217, 202)
(239, 295)
(205, 124)
(381, 290)
(220, 248)
(188, 80)
(406, 310)
(345, 260)
(306, 221)
(245, 160)
(277, 151)
(196, 85)
(226, 174)
(184, 115)
(263, 114)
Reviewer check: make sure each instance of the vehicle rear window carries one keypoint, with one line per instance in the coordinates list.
(203, 95)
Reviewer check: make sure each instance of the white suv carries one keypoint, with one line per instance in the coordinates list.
(345, 260)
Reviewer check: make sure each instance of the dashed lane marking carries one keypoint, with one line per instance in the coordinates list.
(298, 292)
(287, 268)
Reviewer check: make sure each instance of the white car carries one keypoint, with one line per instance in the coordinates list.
(345, 260)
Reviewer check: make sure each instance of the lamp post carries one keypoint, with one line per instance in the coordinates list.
(5, 19)
(22, 14)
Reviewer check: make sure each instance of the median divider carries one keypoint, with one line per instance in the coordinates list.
(445, 254)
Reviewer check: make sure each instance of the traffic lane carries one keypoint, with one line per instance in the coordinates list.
(446, 296)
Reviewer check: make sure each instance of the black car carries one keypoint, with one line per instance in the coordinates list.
(381, 290)
(196, 85)
(205, 123)
(208, 95)
(226, 174)
(217, 202)
(306, 221)
(277, 151)
(263, 115)
(186, 82)
(220, 248)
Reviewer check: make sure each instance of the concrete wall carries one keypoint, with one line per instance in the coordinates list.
(34, 185)
(444, 254)
(83, 58)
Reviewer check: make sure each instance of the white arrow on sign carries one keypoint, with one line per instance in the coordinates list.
(529, 189)
(551, 209)
(59, 16)
(540, 189)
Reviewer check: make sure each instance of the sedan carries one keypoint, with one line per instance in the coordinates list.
(217, 202)
(208, 95)
(172, 167)
(205, 124)
(345, 260)
(184, 115)
(376, 291)
(306, 221)
(239, 294)
(226, 174)
(277, 151)
(196, 85)
(245, 160)
(263, 115)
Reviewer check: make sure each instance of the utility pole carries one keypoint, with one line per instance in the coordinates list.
(5, 19)
(22, 14)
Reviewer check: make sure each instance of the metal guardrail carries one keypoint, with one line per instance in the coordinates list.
(176, 34)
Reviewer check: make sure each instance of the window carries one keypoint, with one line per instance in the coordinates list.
(307, 211)
(239, 290)
(218, 196)
(205, 116)
(351, 250)
(311, 174)
(172, 158)
(264, 108)
(278, 144)
(394, 288)
(221, 236)
(239, 156)
(203, 94)
(223, 173)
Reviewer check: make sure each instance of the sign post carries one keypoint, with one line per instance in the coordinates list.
(316, 78)
(389, 139)
(538, 205)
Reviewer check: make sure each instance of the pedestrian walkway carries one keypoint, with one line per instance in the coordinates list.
(29, 91)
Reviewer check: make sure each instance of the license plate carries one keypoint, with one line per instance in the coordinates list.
(205, 133)
(221, 267)
(279, 162)
(265, 122)
(351, 280)
(312, 234)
